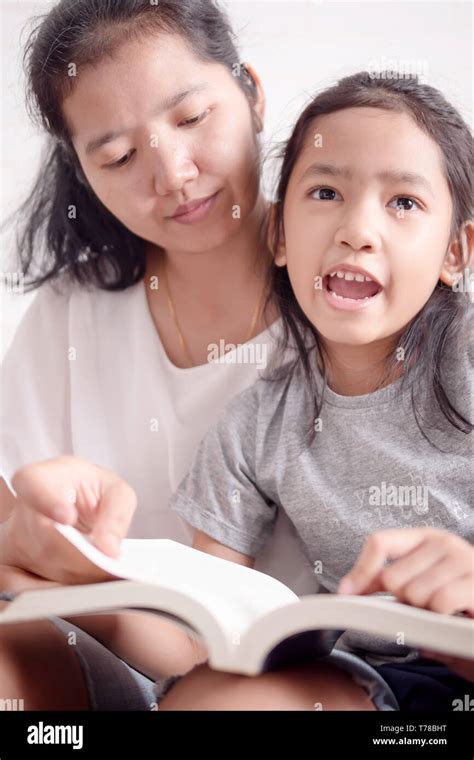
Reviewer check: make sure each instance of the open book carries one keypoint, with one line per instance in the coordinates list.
(248, 621)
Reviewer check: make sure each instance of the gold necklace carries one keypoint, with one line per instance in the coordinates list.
(182, 341)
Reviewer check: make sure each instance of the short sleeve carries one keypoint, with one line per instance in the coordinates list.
(220, 495)
(34, 386)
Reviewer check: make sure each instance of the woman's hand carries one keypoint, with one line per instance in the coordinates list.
(430, 568)
(14, 580)
(72, 491)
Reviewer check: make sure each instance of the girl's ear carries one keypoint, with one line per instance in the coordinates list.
(279, 255)
(459, 256)
(258, 106)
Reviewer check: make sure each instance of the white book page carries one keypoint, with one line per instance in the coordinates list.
(235, 594)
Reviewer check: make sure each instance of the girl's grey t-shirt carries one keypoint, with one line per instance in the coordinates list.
(368, 468)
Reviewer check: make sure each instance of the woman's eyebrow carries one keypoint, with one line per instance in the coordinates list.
(389, 175)
(168, 104)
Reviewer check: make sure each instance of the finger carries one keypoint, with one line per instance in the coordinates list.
(114, 514)
(413, 565)
(378, 548)
(47, 491)
(456, 596)
(420, 589)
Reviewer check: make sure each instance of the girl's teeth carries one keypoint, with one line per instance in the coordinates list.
(341, 298)
(343, 275)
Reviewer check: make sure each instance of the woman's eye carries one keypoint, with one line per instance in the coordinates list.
(195, 119)
(325, 194)
(122, 161)
(404, 203)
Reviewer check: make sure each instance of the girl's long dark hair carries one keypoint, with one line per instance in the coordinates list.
(62, 227)
(439, 323)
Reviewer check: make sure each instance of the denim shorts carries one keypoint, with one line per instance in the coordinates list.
(110, 683)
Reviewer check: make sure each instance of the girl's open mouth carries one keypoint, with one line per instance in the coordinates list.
(350, 290)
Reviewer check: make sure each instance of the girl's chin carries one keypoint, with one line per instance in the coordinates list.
(347, 328)
(348, 337)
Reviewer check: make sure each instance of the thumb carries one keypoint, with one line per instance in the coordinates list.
(113, 516)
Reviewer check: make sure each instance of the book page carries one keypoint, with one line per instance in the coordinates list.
(235, 594)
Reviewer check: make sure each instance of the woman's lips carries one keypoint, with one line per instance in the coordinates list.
(197, 213)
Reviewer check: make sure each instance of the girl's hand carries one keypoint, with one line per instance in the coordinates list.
(430, 568)
(72, 491)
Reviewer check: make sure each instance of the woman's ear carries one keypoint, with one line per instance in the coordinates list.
(258, 105)
(279, 255)
(459, 256)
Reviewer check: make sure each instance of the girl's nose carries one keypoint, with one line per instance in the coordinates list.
(358, 232)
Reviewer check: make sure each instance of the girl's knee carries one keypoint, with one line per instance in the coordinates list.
(309, 687)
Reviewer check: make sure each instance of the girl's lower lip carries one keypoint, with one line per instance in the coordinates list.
(348, 304)
(197, 213)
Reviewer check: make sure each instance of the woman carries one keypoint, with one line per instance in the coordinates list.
(148, 111)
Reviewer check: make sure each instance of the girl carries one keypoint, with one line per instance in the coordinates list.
(147, 111)
(365, 439)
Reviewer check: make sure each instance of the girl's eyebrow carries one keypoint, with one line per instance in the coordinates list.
(388, 175)
(168, 104)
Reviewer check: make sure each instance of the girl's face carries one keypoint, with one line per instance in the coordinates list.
(154, 128)
(367, 220)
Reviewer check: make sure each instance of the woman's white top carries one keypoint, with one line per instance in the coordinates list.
(86, 374)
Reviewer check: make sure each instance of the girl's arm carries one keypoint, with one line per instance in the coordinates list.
(429, 568)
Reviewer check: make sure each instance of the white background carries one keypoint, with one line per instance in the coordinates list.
(297, 48)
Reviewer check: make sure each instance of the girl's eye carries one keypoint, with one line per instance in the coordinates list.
(195, 119)
(121, 162)
(405, 203)
(325, 194)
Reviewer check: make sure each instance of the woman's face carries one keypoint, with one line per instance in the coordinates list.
(145, 155)
(368, 198)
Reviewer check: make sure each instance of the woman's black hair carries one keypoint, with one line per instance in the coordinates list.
(437, 326)
(63, 228)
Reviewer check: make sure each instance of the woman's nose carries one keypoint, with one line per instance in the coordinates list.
(172, 167)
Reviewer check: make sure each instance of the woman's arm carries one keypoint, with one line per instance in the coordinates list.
(32, 556)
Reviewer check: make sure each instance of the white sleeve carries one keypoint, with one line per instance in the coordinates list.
(34, 386)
